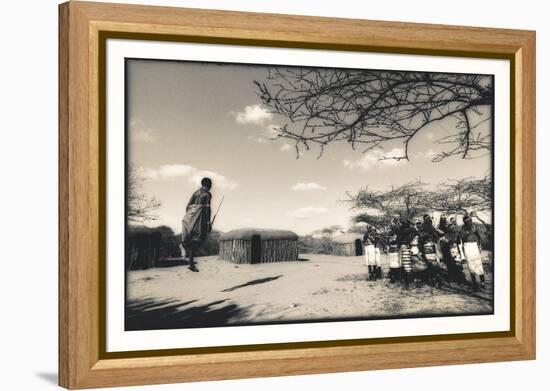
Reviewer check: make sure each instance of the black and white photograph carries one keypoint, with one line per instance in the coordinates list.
(278, 194)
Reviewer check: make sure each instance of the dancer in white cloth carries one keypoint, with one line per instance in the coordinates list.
(471, 244)
(370, 254)
(393, 254)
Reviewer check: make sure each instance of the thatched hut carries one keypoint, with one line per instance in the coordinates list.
(142, 247)
(251, 245)
(348, 245)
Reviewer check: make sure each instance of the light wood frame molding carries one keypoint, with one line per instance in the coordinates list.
(83, 29)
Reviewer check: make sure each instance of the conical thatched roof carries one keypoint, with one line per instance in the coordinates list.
(265, 234)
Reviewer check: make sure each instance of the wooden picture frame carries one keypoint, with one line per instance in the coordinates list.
(83, 30)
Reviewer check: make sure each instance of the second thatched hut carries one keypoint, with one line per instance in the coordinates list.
(253, 245)
(142, 247)
(348, 245)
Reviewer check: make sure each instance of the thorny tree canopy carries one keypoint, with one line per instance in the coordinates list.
(378, 221)
(371, 108)
(407, 201)
(467, 196)
(412, 200)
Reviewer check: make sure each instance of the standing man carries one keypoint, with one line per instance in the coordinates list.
(471, 242)
(428, 240)
(452, 253)
(378, 245)
(428, 230)
(418, 227)
(393, 254)
(407, 234)
(370, 253)
(196, 223)
(442, 225)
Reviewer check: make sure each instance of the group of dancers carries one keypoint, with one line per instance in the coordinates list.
(420, 253)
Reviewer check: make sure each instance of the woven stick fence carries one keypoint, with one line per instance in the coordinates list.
(259, 246)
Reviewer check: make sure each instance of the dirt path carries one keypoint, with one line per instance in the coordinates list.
(319, 287)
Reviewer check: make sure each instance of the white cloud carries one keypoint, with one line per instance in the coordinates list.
(308, 212)
(138, 131)
(149, 173)
(285, 147)
(192, 174)
(307, 186)
(377, 159)
(257, 115)
(218, 180)
(252, 114)
(175, 170)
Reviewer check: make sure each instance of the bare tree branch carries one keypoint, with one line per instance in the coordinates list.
(140, 207)
(368, 109)
(406, 201)
(464, 195)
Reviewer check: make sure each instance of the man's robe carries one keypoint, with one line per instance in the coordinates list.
(196, 223)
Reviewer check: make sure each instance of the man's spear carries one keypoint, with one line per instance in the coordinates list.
(217, 210)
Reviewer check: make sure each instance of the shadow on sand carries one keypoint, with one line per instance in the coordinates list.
(253, 282)
(153, 314)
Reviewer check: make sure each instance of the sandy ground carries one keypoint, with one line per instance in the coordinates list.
(318, 287)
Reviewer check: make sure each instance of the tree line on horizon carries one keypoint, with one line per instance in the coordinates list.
(374, 208)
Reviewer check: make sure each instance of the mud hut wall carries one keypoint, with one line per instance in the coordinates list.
(344, 249)
(143, 250)
(239, 251)
(225, 249)
(236, 251)
(279, 250)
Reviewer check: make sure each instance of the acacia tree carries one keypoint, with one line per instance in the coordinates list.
(378, 221)
(465, 196)
(141, 208)
(371, 108)
(468, 196)
(406, 201)
(326, 235)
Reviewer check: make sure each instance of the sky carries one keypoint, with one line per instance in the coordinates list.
(187, 120)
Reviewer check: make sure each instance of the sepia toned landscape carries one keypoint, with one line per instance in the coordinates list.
(273, 194)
